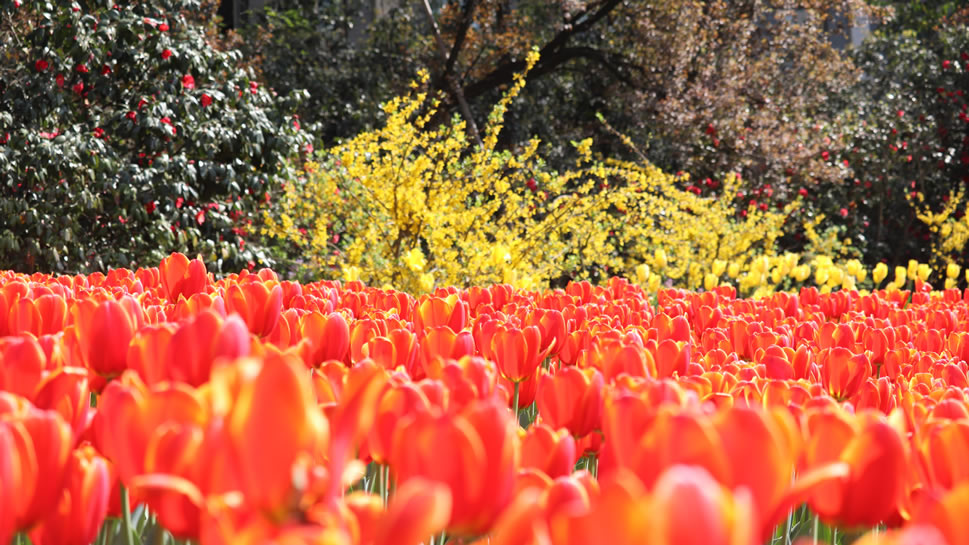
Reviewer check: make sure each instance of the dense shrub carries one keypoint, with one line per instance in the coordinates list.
(125, 135)
(907, 153)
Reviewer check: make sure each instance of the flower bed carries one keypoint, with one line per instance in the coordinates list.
(253, 410)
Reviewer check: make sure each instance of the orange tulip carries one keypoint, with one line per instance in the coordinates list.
(442, 343)
(947, 512)
(272, 429)
(688, 507)
(517, 352)
(103, 332)
(328, 336)
(474, 453)
(876, 460)
(419, 509)
(843, 372)
(551, 451)
(83, 505)
(22, 365)
(259, 304)
(41, 447)
(571, 398)
(181, 277)
(66, 391)
(919, 534)
(440, 311)
(10, 482)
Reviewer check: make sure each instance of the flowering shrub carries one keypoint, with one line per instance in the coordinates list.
(412, 206)
(254, 410)
(125, 135)
(906, 156)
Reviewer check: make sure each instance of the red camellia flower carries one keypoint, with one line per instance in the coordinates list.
(188, 81)
(82, 68)
(41, 65)
(206, 100)
(131, 115)
(825, 155)
(166, 53)
(105, 70)
(163, 27)
(98, 132)
(200, 217)
(150, 207)
(60, 80)
(843, 212)
(78, 88)
(945, 64)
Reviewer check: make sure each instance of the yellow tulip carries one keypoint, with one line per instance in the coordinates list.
(924, 271)
(654, 282)
(879, 273)
(835, 276)
(913, 269)
(710, 281)
(821, 276)
(733, 270)
(900, 275)
(642, 273)
(718, 267)
(776, 275)
(950, 283)
(848, 282)
(659, 256)
(952, 270)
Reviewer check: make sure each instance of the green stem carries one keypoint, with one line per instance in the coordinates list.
(129, 536)
(514, 403)
(815, 530)
(385, 484)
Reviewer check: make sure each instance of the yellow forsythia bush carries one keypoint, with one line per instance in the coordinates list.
(413, 206)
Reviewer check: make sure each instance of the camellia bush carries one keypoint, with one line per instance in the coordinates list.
(124, 134)
(906, 153)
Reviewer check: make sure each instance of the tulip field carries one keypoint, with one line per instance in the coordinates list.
(164, 406)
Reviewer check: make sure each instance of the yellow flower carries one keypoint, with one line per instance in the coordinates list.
(821, 276)
(913, 269)
(802, 272)
(848, 282)
(950, 283)
(776, 275)
(654, 282)
(415, 260)
(900, 276)
(835, 276)
(952, 270)
(426, 282)
(718, 267)
(660, 258)
(709, 281)
(924, 271)
(733, 269)
(879, 273)
(351, 273)
(642, 273)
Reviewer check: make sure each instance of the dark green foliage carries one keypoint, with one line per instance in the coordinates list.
(126, 136)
